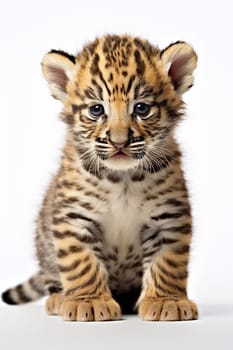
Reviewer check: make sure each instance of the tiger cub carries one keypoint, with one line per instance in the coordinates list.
(114, 231)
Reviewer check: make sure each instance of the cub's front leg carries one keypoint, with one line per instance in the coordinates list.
(86, 296)
(166, 253)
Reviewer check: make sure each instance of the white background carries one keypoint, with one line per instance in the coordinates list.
(31, 136)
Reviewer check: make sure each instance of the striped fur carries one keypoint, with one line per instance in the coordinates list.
(115, 226)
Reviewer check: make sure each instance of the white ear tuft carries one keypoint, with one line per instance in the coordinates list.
(180, 60)
(57, 67)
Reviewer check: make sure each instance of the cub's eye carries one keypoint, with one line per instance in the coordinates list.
(96, 111)
(142, 109)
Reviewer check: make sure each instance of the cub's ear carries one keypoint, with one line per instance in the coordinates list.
(57, 67)
(180, 60)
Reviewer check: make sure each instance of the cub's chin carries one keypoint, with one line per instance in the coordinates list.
(120, 162)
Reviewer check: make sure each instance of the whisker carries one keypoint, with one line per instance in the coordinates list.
(163, 150)
(86, 154)
(90, 159)
(161, 157)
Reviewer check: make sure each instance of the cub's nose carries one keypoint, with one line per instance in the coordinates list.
(119, 137)
(118, 144)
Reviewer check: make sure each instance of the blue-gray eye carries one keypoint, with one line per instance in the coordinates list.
(96, 111)
(142, 109)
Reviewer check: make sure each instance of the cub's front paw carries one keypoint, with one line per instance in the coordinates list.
(90, 310)
(168, 310)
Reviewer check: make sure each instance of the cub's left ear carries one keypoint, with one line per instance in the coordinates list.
(180, 60)
(57, 67)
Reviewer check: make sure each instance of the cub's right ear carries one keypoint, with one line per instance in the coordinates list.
(57, 67)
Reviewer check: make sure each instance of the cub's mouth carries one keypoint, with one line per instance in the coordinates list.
(120, 154)
(122, 160)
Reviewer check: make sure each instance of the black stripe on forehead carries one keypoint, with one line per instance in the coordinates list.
(149, 50)
(131, 80)
(98, 88)
(95, 70)
(139, 62)
(105, 84)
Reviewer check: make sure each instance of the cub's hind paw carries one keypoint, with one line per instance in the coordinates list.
(53, 304)
(90, 310)
(168, 310)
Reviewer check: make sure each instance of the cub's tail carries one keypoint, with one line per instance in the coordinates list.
(25, 292)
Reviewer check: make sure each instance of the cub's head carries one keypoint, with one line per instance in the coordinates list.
(122, 99)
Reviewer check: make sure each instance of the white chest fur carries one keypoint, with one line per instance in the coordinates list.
(122, 223)
(123, 218)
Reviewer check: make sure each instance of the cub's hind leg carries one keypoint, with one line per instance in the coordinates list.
(54, 303)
